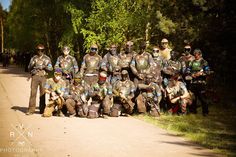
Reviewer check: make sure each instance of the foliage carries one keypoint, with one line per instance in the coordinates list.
(78, 23)
(214, 131)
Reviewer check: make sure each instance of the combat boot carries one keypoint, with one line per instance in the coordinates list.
(60, 114)
(29, 113)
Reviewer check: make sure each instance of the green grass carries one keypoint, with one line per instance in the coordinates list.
(216, 131)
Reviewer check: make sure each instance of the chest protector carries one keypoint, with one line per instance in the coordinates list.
(124, 88)
(92, 62)
(142, 62)
(125, 60)
(66, 63)
(175, 91)
(39, 62)
(196, 65)
(113, 62)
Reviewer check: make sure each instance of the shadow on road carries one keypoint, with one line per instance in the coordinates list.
(201, 154)
(13, 69)
(22, 109)
(194, 147)
(180, 143)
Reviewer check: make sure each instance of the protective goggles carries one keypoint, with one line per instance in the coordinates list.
(164, 43)
(187, 49)
(155, 50)
(66, 49)
(40, 50)
(93, 49)
(57, 74)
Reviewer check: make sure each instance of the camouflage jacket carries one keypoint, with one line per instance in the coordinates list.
(57, 87)
(90, 64)
(68, 64)
(40, 65)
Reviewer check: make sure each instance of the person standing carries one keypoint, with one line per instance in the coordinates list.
(39, 65)
(198, 70)
(165, 50)
(125, 58)
(186, 58)
(110, 64)
(158, 66)
(67, 63)
(91, 65)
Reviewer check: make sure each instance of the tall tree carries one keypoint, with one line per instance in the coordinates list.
(3, 16)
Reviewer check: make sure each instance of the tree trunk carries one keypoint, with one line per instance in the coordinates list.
(147, 32)
(148, 25)
(2, 38)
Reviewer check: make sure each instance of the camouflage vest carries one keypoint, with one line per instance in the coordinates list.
(125, 60)
(142, 62)
(113, 62)
(66, 63)
(196, 65)
(51, 85)
(92, 63)
(124, 87)
(177, 90)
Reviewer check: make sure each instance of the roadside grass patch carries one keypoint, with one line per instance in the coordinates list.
(215, 131)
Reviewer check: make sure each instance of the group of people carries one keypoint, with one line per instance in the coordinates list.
(120, 83)
(5, 58)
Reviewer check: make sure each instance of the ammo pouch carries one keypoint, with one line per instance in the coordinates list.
(93, 111)
(115, 110)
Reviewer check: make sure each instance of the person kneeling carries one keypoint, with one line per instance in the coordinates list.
(54, 88)
(178, 96)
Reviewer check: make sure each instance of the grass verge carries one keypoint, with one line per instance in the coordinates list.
(215, 131)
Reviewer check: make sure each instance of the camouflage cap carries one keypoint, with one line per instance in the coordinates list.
(197, 51)
(164, 40)
(40, 47)
(124, 72)
(187, 47)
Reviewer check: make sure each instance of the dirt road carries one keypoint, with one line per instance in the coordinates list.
(35, 136)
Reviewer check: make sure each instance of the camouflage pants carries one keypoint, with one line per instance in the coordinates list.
(145, 104)
(127, 106)
(93, 110)
(180, 106)
(123, 106)
(106, 105)
(141, 103)
(71, 106)
(37, 81)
